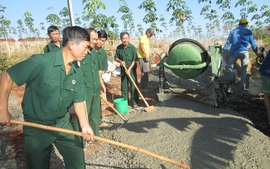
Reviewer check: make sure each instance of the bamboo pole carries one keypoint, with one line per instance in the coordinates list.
(182, 164)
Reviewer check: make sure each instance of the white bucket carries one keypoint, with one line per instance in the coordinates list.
(255, 85)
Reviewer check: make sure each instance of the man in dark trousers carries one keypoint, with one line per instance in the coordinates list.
(55, 43)
(53, 81)
(144, 57)
(126, 55)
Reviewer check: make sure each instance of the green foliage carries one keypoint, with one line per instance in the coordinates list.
(148, 5)
(4, 23)
(123, 9)
(127, 17)
(92, 6)
(65, 21)
(53, 19)
(267, 40)
(3, 62)
(216, 12)
(181, 11)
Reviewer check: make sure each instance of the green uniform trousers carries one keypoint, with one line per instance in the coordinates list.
(126, 82)
(38, 146)
(93, 105)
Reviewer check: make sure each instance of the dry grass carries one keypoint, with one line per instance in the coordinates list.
(23, 50)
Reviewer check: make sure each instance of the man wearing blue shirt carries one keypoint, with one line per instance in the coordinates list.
(239, 39)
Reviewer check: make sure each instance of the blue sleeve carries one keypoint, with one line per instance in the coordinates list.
(228, 43)
(253, 43)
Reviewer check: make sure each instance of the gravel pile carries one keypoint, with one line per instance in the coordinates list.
(203, 136)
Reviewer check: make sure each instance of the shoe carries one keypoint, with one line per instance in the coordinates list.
(135, 105)
(245, 88)
(103, 126)
(230, 91)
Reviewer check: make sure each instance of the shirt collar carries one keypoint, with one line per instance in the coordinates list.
(60, 62)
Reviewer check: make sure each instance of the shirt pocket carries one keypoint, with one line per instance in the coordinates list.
(51, 87)
(71, 89)
(70, 93)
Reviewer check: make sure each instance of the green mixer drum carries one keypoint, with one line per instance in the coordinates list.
(190, 53)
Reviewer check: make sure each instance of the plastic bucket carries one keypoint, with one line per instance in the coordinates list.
(121, 105)
(255, 85)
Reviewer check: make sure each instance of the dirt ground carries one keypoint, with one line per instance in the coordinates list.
(233, 135)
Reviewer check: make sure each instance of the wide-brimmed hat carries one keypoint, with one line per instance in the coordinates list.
(243, 21)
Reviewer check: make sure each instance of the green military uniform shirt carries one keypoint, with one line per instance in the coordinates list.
(49, 90)
(128, 54)
(90, 67)
(103, 59)
(51, 47)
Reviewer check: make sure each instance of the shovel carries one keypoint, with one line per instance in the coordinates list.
(182, 164)
(111, 106)
(148, 108)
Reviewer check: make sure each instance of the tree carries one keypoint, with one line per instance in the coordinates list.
(211, 15)
(77, 20)
(53, 19)
(140, 30)
(4, 25)
(163, 25)
(98, 21)
(90, 11)
(42, 27)
(150, 7)
(180, 13)
(21, 28)
(247, 9)
(127, 16)
(65, 14)
(28, 20)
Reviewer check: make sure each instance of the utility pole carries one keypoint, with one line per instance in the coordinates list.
(70, 13)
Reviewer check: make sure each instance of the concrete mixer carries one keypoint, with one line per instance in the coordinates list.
(187, 59)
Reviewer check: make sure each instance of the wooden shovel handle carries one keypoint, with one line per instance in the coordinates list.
(111, 106)
(182, 164)
(136, 86)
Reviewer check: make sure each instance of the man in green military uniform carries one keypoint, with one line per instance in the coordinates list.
(53, 81)
(126, 54)
(55, 44)
(102, 55)
(93, 82)
(103, 63)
